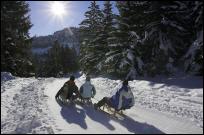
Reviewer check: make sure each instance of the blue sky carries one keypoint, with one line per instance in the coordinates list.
(44, 23)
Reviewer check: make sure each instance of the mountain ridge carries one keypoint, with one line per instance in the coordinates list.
(67, 37)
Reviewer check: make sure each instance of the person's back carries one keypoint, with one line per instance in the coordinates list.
(87, 90)
(71, 88)
(123, 99)
(68, 89)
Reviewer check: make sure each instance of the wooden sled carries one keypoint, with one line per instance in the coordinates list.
(112, 112)
(85, 100)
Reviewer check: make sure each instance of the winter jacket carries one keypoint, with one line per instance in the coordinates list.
(68, 89)
(123, 99)
(87, 90)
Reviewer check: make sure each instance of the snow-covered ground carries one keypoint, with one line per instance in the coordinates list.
(163, 105)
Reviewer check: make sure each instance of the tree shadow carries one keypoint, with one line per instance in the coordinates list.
(72, 114)
(184, 81)
(98, 117)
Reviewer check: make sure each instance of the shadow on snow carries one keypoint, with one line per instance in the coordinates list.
(75, 115)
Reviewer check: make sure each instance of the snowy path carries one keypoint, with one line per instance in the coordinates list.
(23, 107)
(140, 120)
(28, 106)
(78, 119)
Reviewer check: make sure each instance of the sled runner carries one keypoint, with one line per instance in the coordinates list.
(85, 101)
(112, 112)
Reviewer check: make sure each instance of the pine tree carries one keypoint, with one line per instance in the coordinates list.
(147, 38)
(123, 58)
(101, 40)
(193, 58)
(58, 61)
(53, 62)
(166, 36)
(90, 27)
(69, 60)
(15, 40)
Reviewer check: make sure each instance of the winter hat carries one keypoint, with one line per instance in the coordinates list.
(88, 78)
(72, 77)
(125, 82)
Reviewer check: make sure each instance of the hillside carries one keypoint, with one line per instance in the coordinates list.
(68, 37)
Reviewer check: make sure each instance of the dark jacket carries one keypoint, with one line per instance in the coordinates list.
(68, 89)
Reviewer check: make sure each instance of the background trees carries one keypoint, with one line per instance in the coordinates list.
(146, 38)
(15, 40)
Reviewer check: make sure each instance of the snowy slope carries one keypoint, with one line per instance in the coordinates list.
(162, 106)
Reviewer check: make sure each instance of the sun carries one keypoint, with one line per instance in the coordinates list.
(58, 8)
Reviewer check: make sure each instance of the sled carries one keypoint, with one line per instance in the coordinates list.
(112, 112)
(63, 102)
(85, 101)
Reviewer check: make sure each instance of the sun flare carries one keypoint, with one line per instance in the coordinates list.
(58, 8)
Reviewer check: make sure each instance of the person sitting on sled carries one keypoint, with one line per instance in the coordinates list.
(68, 90)
(87, 90)
(123, 99)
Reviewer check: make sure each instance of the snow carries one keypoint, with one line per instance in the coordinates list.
(9, 38)
(173, 24)
(30, 63)
(7, 52)
(5, 76)
(140, 63)
(99, 66)
(163, 105)
(111, 57)
(192, 51)
(170, 68)
(134, 34)
(195, 46)
(113, 45)
(12, 44)
(165, 43)
(132, 74)
(123, 63)
(124, 24)
(130, 55)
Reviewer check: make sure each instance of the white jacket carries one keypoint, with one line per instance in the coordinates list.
(127, 94)
(87, 90)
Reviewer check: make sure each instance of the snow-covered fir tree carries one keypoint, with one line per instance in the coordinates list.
(101, 40)
(15, 40)
(123, 58)
(146, 38)
(90, 27)
(166, 33)
(194, 55)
